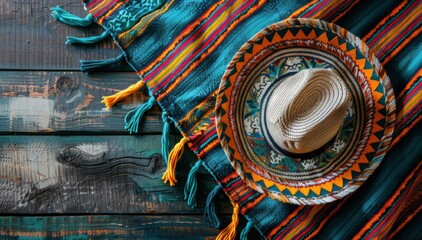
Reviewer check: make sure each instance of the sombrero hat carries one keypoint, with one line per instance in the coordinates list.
(305, 112)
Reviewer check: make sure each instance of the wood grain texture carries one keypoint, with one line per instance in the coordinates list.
(68, 101)
(92, 174)
(32, 40)
(68, 169)
(108, 227)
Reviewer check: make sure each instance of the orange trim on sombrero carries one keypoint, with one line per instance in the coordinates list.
(346, 175)
(372, 139)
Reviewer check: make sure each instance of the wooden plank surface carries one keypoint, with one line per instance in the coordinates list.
(32, 40)
(41, 101)
(91, 174)
(68, 169)
(108, 227)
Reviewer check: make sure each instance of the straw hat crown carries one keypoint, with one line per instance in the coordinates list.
(306, 110)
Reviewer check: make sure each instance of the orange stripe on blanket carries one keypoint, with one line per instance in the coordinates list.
(384, 20)
(209, 50)
(402, 45)
(405, 131)
(403, 224)
(318, 229)
(99, 6)
(177, 40)
(344, 11)
(302, 9)
(410, 83)
(388, 204)
(252, 204)
(109, 12)
(286, 221)
(209, 147)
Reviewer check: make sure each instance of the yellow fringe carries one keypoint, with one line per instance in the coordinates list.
(109, 101)
(174, 156)
(229, 233)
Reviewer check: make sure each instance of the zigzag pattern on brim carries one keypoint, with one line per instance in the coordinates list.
(377, 143)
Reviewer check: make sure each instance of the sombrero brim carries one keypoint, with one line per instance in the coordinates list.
(275, 52)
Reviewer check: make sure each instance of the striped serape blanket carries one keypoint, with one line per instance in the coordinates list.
(181, 49)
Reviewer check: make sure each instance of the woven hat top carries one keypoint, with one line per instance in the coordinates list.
(306, 110)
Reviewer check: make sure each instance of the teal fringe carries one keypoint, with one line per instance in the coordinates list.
(165, 138)
(70, 19)
(192, 184)
(87, 40)
(245, 231)
(210, 207)
(135, 116)
(93, 65)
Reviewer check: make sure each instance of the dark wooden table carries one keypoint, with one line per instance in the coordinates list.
(67, 166)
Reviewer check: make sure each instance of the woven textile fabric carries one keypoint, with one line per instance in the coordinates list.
(181, 49)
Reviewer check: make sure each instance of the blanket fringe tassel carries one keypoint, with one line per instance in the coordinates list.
(229, 233)
(246, 230)
(174, 156)
(191, 185)
(93, 65)
(87, 40)
(165, 137)
(110, 101)
(71, 19)
(133, 118)
(210, 207)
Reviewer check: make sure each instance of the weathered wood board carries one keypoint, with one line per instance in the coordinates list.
(40, 101)
(108, 227)
(91, 174)
(68, 169)
(32, 40)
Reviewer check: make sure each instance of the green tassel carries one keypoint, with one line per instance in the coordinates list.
(210, 207)
(135, 115)
(245, 231)
(165, 138)
(87, 40)
(192, 185)
(70, 19)
(93, 65)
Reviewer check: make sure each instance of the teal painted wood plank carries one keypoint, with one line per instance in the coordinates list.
(32, 40)
(52, 102)
(93, 174)
(108, 227)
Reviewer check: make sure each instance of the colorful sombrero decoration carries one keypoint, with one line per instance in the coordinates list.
(304, 112)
